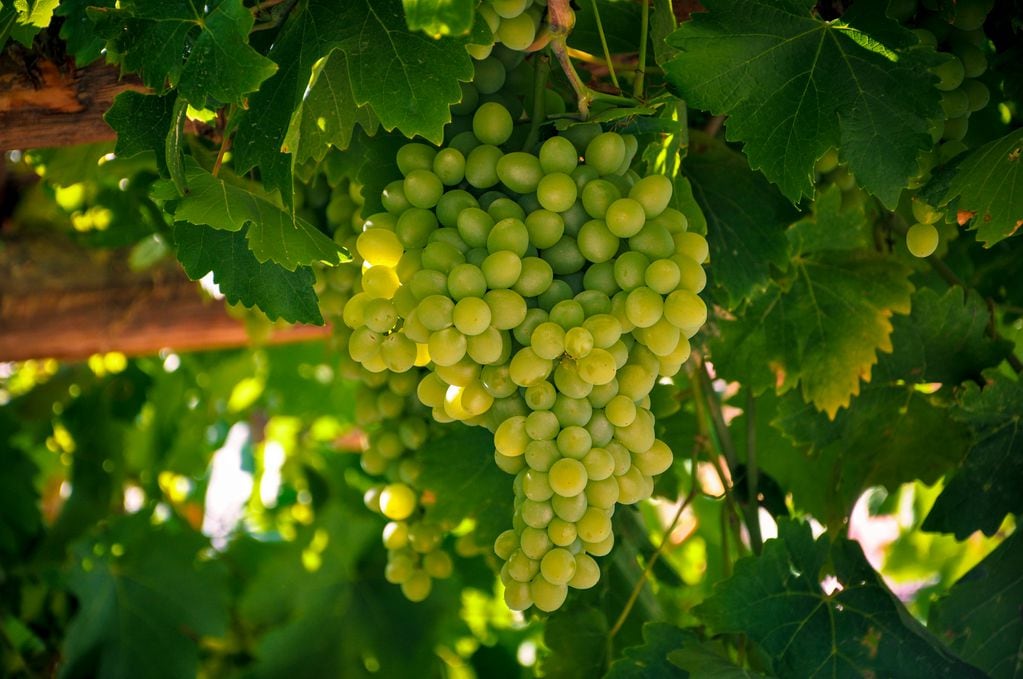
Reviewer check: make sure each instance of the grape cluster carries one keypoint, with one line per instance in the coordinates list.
(543, 297)
(961, 37)
(513, 23)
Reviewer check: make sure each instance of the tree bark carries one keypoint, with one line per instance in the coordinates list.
(48, 105)
(64, 302)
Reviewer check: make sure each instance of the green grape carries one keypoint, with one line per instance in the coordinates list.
(397, 501)
(596, 242)
(922, 240)
(395, 535)
(569, 508)
(594, 526)
(557, 154)
(509, 235)
(578, 342)
(556, 192)
(399, 569)
(393, 199)
(653, 193)
(423, 188)
(537, 514)
(955, 103)
(517, 32)
(693, 245)
(567, 477)
(471, 316)
(415, 157)
(545, 228)
(655, 460)
(564, 256)
(492, 124)
(587, 572)
(438, 564)
(519, 171)
(449, 166)
(536, 487)
(558, 566)
(469, 100)
(950, 74)
(414, 227)
(417, 586)
(977, 94)
(606, 152)
(547, 596)
(488, 75)
(380, 247)
(686, 311)
(597, 196)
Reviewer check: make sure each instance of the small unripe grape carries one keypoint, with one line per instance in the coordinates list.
(557, 154)
(922, 240)
(606, 152)
(415, 157)
(397, 501)
(417, 587)
(492, 124)
(653, 193)
(556, 192)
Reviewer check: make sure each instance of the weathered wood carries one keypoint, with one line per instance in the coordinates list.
(51, 105)
(58, 301)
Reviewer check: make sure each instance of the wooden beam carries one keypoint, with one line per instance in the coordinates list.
(59, 301)
(49, 105)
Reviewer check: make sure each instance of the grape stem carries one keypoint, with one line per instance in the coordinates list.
(634, 595)
(603, 44)
(748, 505)
(644, 26)
(541, 72)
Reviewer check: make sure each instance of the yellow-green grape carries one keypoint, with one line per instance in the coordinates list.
(924, 213)
(417, 586)
(492, 124)
(922, 240)
(546, 595)
(397, 501)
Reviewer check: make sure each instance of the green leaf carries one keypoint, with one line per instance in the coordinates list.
(662, 24)
(439, 17)
(142, 610)
(459, 470)
(835, 461)
(746, 218)
(821, 327)
(24, 19)
(278, 292)
(142, 123)
(651, 659)
(989, 183)
(944, 339)
(20, 520)
(830, 227)
(793, 86)
(328, 114)
(407, 79)
(577, 637)
(858, 629)
(273, 234)
(980, 618)
(986, 485)
(79, 31)
(700, 660)
(201, 50)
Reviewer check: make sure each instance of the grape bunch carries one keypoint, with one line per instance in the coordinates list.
(959, 36)
(543, 297)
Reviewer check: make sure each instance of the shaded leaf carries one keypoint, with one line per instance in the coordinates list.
(142, 611)
(458, 468)
(746, 218)
(651, 659)
(820, 328)
(944, 339)
(989, 183)
(278, 292)
(78, 31)
(859, 629)
(986, 485)
(577, 638)
(980, 616)
(700, 660)
(794, 85)
(142, 123)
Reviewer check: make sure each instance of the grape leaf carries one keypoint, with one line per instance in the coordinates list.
(980, 618)
(201, 50)
(986, 485)
(702, 661)
(439, 17)
(746, 218)
(989, 183)
(458, 469)
(142, 123)
(944, 339)
(278, 292)
(273, 233)
(793, 86)
(328, 114)
(78, 31)
(859, 629)
(577, 638)
(23, 19)
(651, 659)
(19, 501)
(141, 611)
(830, 227)
(407, 79)
(821, 327)
(662, 24)
(877, 442)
